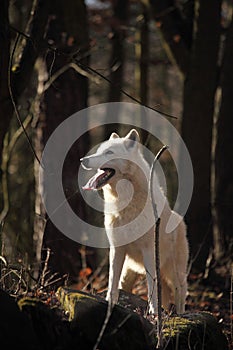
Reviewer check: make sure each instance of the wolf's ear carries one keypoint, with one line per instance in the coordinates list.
(114, 136)
(132, 139)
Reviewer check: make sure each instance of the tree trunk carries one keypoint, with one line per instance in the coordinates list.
(16, 80)
(26, 57)
(6, 107)
(67, 95)
(224, 159)
(176, 30)
(142, 61)
(5, 103)
(196, 54)
(144, 57)
(117, 58)
(116, 62)
(199, 94)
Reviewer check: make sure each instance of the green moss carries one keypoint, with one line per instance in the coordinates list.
(189, 331)
(193, 331)
(175, 325)
(68, 299)
(32, 302)
(125, 329)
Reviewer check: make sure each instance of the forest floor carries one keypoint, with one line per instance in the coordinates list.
(212, 294)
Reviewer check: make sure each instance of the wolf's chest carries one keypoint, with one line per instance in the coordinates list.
(124, 213)
(129, 224)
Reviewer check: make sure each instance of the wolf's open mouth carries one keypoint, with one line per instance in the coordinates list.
(100, 179)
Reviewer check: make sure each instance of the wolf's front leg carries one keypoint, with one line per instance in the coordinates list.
(116, 260)
(149, 263)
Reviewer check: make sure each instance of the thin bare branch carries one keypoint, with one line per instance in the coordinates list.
(7, 150)
(124, 92)
(101, 333)
(97, 272)
(157, 259)
(45, 268)
(85, 70)
(63, 69)
(13, 99)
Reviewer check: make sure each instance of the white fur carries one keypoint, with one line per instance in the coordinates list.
(125, 195)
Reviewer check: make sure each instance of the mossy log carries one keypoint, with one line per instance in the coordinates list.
(129, 330)
(76, 322)
(125, 329)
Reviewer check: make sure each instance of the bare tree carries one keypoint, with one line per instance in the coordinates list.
(223, 157)
(6, 107)
(14, 82)
(198, 63)
(67, 94)
(117, 58)
(16, 68)
(197, 124)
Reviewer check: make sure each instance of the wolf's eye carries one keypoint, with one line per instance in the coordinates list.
(109, 152)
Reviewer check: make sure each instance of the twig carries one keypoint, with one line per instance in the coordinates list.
(62, 278)
(15, 272)
(3, 260)
(165, 12)
(83, 254)
(13, 99)
(96, 272)
(121, 324)
(193, 258)
(63, 69)
(123, 91)
(45, 268)
(18, 287)
(84, 70)
(106, 320)
(157, 259)
(152, 292)
(7, 150)
(107, 317)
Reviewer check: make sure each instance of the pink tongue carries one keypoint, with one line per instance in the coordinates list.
(92, 184)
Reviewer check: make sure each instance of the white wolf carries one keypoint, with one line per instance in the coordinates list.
(129, 223)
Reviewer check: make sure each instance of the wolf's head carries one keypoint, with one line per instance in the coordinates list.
(112, 159)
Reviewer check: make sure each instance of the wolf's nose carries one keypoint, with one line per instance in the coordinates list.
(84, 162)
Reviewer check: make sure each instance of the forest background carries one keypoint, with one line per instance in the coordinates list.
(57, 58)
